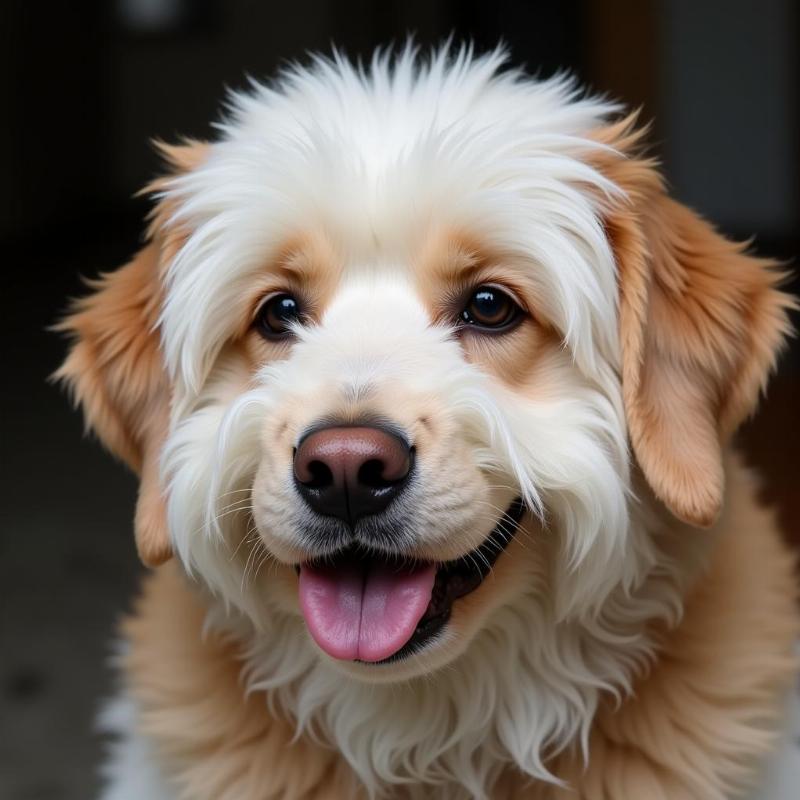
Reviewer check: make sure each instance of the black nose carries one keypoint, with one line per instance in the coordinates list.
(351, 473)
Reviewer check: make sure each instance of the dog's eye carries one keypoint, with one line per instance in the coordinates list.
(276, 315)
(490, 308)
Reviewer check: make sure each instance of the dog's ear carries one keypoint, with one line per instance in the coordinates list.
(701, 323)
(115, 369)
(116, 372)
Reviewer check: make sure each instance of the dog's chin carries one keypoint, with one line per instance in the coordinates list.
(383, 617)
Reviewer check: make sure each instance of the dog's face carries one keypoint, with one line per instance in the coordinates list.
(382, 361)
(385, 411)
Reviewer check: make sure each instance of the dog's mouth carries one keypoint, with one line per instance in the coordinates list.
(378, 608)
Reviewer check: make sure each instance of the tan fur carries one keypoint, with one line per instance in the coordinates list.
(115, 369)
(180, 159)
(116, 373)
(214, 741)
(701, 322)
(692, 728)
(306, 266)
(707, 710)
(450, 265)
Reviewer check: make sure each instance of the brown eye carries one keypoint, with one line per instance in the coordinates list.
(490, 308)
(276, 316)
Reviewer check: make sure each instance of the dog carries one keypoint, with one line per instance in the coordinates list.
(430, 388)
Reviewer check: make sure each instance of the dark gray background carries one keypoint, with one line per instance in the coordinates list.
(84, 85)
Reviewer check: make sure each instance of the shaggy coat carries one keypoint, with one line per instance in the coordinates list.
(633, 636)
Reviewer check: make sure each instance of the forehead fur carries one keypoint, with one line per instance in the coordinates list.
(377, 157)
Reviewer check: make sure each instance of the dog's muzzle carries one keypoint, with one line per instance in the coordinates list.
(365, 599)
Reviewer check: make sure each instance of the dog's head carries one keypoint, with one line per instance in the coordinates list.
(382, 360)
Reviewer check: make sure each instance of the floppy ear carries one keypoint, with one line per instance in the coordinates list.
(115, 369)
(116, 373)
(701, 323)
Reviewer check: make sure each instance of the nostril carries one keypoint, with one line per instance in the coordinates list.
(371, 474)
(319, 475)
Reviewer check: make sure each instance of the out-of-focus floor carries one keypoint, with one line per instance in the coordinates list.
(67, 563)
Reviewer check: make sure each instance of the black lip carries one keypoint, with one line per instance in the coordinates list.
(455, 579)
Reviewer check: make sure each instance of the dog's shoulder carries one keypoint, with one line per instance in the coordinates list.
(709, 705)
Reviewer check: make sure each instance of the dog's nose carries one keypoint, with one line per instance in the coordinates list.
(351, 472)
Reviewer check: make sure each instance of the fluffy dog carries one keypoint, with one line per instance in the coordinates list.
(430, 387)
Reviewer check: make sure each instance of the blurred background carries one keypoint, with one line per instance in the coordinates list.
(86, 85)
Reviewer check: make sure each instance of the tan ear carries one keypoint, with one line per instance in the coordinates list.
(115, 368)
(701, 323)
(116, 373)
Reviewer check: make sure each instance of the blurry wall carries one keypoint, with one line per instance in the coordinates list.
(728, 88)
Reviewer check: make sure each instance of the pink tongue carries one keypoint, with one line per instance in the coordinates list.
(360, 611)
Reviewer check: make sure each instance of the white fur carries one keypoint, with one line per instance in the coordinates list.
(130, 771)
(375, 158)
(780, 773)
